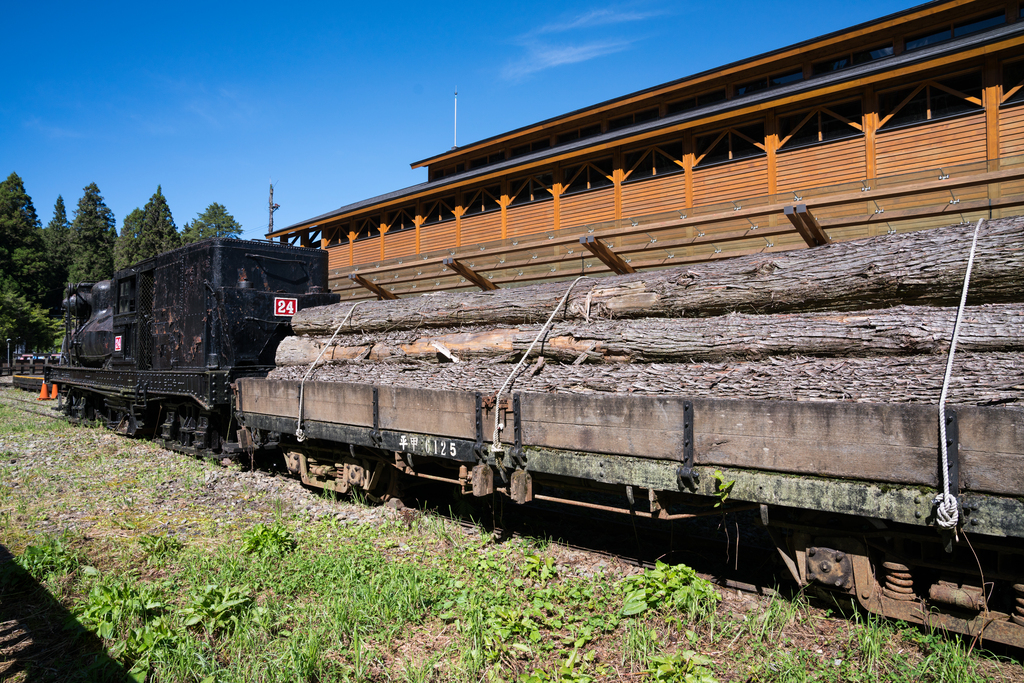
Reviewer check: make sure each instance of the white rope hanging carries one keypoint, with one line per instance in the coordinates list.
(300, 435)
(495, 445)
(947, 511)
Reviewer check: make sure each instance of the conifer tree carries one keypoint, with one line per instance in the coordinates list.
(93, 234)
(126, 249)
(23, 270)
(158, 232)
(23, 262)
(59, 251)
(215, 221)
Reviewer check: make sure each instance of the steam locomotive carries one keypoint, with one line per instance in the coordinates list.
(156, 349)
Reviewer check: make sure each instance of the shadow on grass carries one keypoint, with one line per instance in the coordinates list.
(40, 640)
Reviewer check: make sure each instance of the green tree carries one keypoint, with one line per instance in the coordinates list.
(24, 266)
(215, 221)
(126, 249)
(23, 262)
(146, 232)
(159, 234)
(59, 251)
(93, 234)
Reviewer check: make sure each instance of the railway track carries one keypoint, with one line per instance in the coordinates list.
(10, 397)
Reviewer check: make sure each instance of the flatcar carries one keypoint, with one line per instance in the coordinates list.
(179, 347)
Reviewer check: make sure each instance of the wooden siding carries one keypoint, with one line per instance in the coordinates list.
(931, 145)
(1011, 130)
(732, 180)
(831, 163)
(482, 227)
(402, 243)
(366, 251)
(437, 236)
(587, 207)
(654, 195)
(529, 219)
(338, 257)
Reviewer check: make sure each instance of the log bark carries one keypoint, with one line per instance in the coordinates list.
(921, 268)
(903, 330)
(978, 378)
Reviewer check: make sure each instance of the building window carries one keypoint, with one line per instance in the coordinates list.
(366, 228)
(949, 31)
(730, 145)
(702, 100)
(659, 160)
(592, 175)
(931, 100)
(534, 146)
(401, 219)
(487, 160)
(822, 124)
(534, 188)
(483, 200)
(336, 236)
(851, 59)
(632, 119)
(578, 134)
(1013, 82)
(439, 211)
(752, 86)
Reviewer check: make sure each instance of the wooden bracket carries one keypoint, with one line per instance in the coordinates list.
(465, 271)
(807, 225)
(609, 257)
(379, 291)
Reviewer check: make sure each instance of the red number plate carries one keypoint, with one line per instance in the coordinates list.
(117, 343)
(283, 306)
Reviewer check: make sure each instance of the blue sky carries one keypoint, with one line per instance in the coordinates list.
(331, 100)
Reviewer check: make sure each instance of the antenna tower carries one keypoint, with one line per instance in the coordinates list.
(273, 207)
(455, 137)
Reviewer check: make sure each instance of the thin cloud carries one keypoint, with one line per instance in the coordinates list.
(540, 57)
(53, 132)
(597, 17)
(572, 39)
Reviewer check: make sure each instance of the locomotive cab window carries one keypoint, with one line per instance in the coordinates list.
(126, 296)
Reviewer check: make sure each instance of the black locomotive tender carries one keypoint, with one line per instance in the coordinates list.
(178, 347)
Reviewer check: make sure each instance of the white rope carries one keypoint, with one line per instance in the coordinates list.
(299, 434)
(947, 512)
(495, 445)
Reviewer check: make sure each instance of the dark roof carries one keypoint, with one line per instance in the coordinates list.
(852, 73)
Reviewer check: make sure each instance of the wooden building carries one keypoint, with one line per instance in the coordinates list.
(863, 126)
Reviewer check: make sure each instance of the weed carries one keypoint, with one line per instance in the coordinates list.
(217, 608)
(268, 540)
(722, 487)
(674, 587)
(158, 547)
(540, 570)
(50, 557)
(134, 618)
(684, 667)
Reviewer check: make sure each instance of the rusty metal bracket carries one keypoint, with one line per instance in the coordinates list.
(517, 431)
(375, 434)
(686, 474)
(479, 448)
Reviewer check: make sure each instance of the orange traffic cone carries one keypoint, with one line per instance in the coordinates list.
(44, 395)
(53, 391)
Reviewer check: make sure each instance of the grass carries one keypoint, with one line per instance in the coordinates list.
(123, 576)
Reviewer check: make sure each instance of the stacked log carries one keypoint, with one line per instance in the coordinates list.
(866, 320)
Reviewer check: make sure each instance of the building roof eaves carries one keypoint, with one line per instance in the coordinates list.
(816, 83)
(678, 81)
